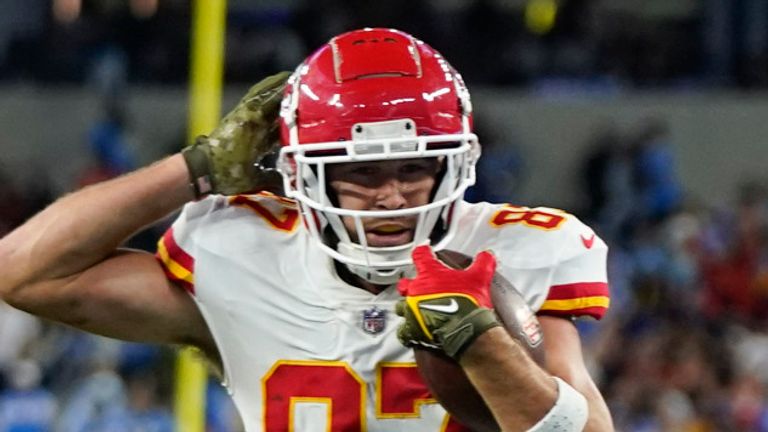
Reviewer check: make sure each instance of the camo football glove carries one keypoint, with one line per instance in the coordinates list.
(446, 308)
(226, 161)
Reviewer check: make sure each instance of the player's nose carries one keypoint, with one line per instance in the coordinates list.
(390, 195)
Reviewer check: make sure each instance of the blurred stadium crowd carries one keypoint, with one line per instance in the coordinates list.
(690, 43)
(684, 346)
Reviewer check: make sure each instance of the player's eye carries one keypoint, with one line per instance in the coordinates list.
(364, 170)
(352, 170)
(418, 167)
(412, 168)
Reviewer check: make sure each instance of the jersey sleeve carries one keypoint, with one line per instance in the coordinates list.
(579, 285)
(175, 248)
(178, 265)
(556, 261)
(223, 226)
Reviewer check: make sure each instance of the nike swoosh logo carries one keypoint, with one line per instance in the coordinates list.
(449, 308)
(588, 242)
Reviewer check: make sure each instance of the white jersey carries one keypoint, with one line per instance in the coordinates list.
(303, 350)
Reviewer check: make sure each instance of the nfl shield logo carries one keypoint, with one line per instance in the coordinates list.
(374, 320)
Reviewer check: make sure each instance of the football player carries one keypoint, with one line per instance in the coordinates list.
(309, 301)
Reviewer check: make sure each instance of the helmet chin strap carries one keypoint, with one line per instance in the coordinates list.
(374, 275)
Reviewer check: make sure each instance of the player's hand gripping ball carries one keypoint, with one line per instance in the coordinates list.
(443, 376)
(226, 161)
(446, 308)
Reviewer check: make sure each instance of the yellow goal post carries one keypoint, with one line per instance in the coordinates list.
(205, 88)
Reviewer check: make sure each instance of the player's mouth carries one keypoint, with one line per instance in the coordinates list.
(388, 235)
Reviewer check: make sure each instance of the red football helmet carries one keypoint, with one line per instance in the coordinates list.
(375, 94)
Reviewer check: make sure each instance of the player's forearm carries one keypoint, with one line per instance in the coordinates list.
(563, 355)
(84, 227)
(517, 391)
(599, 419)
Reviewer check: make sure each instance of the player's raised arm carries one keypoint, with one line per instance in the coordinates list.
(65, 263)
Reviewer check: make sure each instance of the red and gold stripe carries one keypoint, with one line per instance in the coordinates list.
(178, 265)
(585, 298)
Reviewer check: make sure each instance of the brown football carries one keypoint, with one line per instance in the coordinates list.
(447, 380)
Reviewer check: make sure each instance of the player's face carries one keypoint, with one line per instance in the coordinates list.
(384, 185)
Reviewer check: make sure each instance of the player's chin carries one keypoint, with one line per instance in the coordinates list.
(379, 239)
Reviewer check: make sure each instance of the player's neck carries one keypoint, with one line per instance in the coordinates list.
(355, 280)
